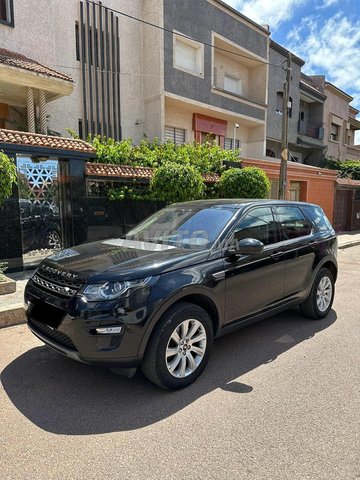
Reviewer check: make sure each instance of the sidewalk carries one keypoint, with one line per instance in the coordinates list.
(348, 239)
(11, 306)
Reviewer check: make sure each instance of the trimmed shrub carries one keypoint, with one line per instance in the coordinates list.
(7, 177)
(177, 183)
(248, 182)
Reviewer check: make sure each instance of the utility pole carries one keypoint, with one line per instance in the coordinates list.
(285, 130)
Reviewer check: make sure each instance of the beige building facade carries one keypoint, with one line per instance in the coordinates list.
(339, 121)
(162, 78)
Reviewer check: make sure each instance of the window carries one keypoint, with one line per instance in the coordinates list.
(77, 41)
(318, 217)
(279, 103)
(292, 222)
(7, 12)
(232, 85)
(175, 135)
(80, 128)
(270, 153)
(296, 157)
(188, 56)
(258, 223)
(229, 144)
(183, 226)
(334, 132)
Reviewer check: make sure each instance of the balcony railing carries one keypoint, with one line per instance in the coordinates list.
(311, 130)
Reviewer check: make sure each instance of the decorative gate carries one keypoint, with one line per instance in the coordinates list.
(342, 210)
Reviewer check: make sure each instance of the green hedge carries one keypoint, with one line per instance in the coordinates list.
(205, 158)
(349, 168)
(177, 183)
(248, 182)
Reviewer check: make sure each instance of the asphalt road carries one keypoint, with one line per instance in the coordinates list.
(279, 400)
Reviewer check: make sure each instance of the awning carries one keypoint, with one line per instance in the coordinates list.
(308, 142)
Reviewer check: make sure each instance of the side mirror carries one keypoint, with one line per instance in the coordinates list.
(246, 246)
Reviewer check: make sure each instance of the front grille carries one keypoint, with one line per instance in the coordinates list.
(61, 277)
(58, 281)
(53, 334)
(53, 287)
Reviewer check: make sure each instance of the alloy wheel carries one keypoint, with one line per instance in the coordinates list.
(324, 294)
(186, 348)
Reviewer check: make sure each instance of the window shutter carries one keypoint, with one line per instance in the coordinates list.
(175, 135)
(229, 144)
(185, 56)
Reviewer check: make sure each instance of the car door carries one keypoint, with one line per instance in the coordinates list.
(298, 245)
(255, 282)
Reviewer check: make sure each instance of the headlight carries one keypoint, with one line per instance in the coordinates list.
(111, 290)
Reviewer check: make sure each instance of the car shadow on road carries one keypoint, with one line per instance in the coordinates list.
(70, 398)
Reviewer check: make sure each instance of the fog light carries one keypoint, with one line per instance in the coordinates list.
(108, 330)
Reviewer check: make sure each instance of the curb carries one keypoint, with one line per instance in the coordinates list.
(349, 244)
(13, 316)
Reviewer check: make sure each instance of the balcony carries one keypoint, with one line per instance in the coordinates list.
(238, 74)
(26, 86)
(310, 130)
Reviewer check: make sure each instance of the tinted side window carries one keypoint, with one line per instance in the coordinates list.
(318, 217)
(293, 223)
(258, 223)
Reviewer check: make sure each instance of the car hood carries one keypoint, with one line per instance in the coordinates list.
(119, 259)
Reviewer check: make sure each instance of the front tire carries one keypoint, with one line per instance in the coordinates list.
(319, 302)
(179, 347)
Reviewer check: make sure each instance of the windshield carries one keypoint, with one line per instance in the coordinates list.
(184, 227)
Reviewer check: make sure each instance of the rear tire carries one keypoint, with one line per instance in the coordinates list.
(319, 302)
(179, 347)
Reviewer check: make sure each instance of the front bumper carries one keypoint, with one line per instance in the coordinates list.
(69, 327)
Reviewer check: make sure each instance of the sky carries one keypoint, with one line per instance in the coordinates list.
(324, 33)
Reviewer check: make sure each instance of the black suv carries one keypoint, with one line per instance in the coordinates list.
(190, 273)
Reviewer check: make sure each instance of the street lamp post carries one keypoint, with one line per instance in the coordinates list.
(236, 126)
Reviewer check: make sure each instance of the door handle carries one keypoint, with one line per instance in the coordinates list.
(276, 255)
(313, 243)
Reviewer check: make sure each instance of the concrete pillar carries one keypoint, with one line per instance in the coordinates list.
(43, 120)
(30, 110)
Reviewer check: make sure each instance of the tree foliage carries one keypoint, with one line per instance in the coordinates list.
(7, 177)
(206, 158)
(348, 169)
(248, 182)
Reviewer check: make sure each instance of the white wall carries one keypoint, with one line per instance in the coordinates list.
(175, 117)
(45, 31)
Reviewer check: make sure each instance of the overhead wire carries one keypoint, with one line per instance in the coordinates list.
(167, 30)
